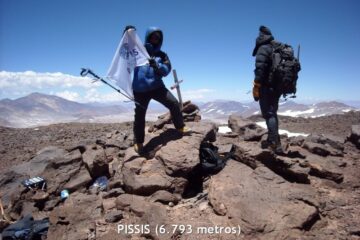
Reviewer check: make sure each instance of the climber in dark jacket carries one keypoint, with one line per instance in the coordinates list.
(148, 84)
(264, 89)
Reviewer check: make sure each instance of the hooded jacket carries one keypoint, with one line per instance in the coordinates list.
(263, 52)
(147, 78)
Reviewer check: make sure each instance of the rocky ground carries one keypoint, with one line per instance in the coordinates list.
(311, 192)
(336, 125)
(18, 145)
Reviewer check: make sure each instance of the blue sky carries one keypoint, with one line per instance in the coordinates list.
(43, 44)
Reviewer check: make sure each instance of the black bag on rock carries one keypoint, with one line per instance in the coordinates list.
(26, 229)
(211, 161)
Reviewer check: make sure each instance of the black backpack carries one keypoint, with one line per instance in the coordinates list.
(285, 68)
(211, 161)
(26, 229)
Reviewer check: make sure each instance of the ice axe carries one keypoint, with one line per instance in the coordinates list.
(85, 71)
(177, 87)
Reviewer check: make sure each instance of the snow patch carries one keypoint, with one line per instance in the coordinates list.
(320, 115)
(210, 110)
(291, 134)
(224, 129)
(281, 131)
(291, 113)
(262, 124)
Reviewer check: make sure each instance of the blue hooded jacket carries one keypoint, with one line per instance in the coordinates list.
(147, 78)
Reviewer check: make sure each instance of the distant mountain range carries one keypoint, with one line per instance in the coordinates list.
(41, 109)
(222, 109)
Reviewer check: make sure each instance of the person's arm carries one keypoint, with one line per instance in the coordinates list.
(263, 64)
(164, 65)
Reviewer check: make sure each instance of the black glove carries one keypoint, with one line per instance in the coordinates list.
(129, 27)
(153, 63)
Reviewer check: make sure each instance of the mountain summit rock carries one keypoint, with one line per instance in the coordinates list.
(311, 191)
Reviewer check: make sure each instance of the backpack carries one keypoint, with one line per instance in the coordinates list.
(285, 68)
(211, 162)
(26, 229)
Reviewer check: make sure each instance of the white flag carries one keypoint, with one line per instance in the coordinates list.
(129, 54)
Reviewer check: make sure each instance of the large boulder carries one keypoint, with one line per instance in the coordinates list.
(80, 181)
(96, 161)
(46, 156)
(169, 161)
(261, 201)
(180, 157)
(355, 135)
(10, 186)
(67, 170)
(316, 148)
(330, 168)
(76, 219)
(327, 140)
(247, 130)
(190, 112)
(323, 150)
(251, 154)
(148, 213)
(164, 197)
(142, 176)
(59, 168)
(120, 140)
(132, 203)
(296, 165)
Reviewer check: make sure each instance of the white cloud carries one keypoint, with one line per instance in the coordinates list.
(72, 96)
(197, 94)
(19, 84)
(34, 80)
(74, 88)
(93, 95)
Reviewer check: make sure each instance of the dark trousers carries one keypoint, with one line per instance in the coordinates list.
(163, 96)
(269, 104)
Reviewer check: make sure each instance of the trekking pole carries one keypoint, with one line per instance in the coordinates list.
(3, 213)
(298, 53)
(86, 71)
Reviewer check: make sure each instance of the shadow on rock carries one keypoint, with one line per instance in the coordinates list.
(161, 140)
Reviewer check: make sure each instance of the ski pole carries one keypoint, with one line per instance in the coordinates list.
(86, 71)
(298, 53)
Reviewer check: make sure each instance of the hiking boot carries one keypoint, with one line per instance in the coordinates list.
(139, 148)
(184, 130)
(277, 148)
(265, 144)
(273, 146)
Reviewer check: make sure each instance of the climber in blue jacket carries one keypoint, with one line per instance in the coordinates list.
(148, 84)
